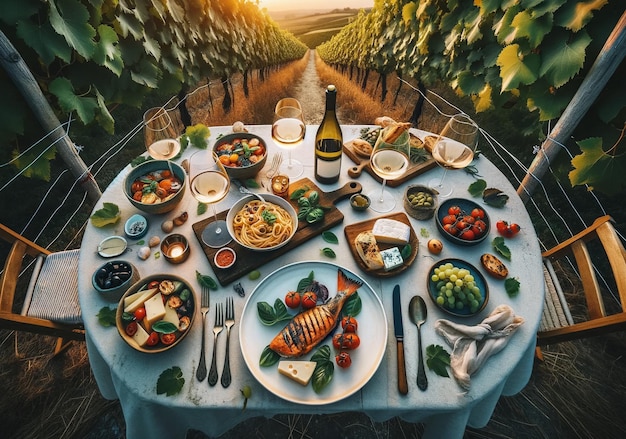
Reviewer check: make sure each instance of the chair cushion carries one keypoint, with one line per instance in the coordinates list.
(55, 292)
(556, 312)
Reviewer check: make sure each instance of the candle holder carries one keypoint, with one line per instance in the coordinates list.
(175, 248)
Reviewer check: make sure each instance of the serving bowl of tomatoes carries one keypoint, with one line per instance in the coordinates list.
(155, 186)
(156, 313)
(462, 221)
(242, 154)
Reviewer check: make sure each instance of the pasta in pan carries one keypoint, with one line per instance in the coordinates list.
(262, 225)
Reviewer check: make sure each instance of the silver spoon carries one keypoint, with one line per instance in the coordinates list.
(245, 190)
(417, 312)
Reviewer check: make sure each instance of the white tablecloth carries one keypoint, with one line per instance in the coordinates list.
(130, 376)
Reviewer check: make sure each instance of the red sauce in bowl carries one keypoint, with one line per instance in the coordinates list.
(225, 257)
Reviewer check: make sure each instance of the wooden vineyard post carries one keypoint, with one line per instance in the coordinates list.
(606, 63)
(23, 79)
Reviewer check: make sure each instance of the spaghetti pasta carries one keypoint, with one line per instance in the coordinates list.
(262, 225)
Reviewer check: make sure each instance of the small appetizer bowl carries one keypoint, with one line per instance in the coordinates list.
(113, 278)
(136, 227)
(420, 201)
(480, 225)
(360, 202)
(225, 257)
(179, 309)
(112, 246)
(458, 304)
(148, 170)
(244, 167)
(175, 248)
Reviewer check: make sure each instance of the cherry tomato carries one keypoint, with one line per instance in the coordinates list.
(343, 360)
(501, 226)
(137, 195)
(448, 219)
(153, 339)
(167, 339)
(479, 225)
(478, 213)
(467, 235)
(349, 324)
(166, 173)
(292, 299)
(140, 313)
(469, 219)
(309, 300)
(131, 329)
(153, 284)
(454, 210)
(346, 341)
(137, 186)
(507, 230)
(451, 229)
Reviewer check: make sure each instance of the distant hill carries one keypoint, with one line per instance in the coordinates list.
(314, 27)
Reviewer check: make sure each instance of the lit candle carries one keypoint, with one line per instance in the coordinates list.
(176, 249)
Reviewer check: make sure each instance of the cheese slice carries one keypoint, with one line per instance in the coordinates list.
(392, 258)
(299, 371)
(130, 299)
(155, 310)
(391, 231)
(368, 250)
(171, 316)
(138, 303)
(141, 336)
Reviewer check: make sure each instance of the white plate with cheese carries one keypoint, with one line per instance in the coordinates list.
(254, 336)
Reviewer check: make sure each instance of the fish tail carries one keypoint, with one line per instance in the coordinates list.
(347, 285)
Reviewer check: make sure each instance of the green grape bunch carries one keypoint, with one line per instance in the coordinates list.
(456, 288)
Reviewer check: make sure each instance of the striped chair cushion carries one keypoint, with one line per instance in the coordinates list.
(53, 294)
(556, 312)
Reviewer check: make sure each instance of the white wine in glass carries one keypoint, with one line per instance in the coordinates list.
(160, 136)
(210, 184)
(389, 160)
(454, 149)
(288, 132)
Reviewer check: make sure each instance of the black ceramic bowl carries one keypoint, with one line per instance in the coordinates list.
(453, 230)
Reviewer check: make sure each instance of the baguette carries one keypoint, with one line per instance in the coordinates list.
(368, 250)
(494, 266)
(394, 131)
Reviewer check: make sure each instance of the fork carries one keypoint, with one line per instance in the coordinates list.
(204, 308)
(276, 162)
(229, 322)
(217, 328)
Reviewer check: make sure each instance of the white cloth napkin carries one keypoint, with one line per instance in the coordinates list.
(473, 345)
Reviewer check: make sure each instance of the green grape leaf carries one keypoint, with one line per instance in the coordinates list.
(70, 18)
(476, 189)
(597, 169)
(482, 100)
(495, 197)
(146, 73)
(69, 101)
(109, 214)
(517, 68)
(531, 27)
(500, 247)
(198, 135)
(106, 316)
(563, 56)
(107, 53)
(469, 83)
(104, 118)
(170, 382)
(511, 286)
(40, 167)
(575, 15)
(438, 360)
(45, 41)
(550, 101)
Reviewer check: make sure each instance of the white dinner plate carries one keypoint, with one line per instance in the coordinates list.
(254, 336)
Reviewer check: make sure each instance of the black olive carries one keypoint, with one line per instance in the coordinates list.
(107, 284)
(124, 275)
(116, 281)
(102, 274)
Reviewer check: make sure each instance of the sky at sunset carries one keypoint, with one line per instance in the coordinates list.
(284, 5)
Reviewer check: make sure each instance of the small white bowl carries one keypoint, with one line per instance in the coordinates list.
(136, 227)
(222, 251)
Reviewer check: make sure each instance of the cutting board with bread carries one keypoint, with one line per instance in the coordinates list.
(360, 149)
(377, 245)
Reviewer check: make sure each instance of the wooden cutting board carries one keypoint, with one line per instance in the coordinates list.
(248, 260)
(363, 164)
(352, 231)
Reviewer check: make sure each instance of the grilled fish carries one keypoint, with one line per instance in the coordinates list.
(310, 327)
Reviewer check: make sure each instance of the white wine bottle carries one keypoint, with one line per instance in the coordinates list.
(328, 142)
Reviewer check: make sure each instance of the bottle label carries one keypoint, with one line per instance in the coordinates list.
(326, 169)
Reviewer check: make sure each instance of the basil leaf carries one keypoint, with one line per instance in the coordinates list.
(499, 246)
(353, 306)
(324, 369)
(127, 316)
(170, 381)
(330, 237)
(315, 215)
(281, 310)
(303, 212)
(321, 354)
(164, 327)
(268, 217)
(106, 316)
(476, 189)
(305, 283)
(201, 209)
(314, 198)
(206, 281)
(268, 357)
(299, 192)
(511, 286)
(266, 313)
(406, 251)
(328, 252)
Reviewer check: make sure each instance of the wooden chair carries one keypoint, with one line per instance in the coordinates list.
(51, 299)
(557, 323)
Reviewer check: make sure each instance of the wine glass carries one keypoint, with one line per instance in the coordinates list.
(159, 134)
(389, 160)
(210, 184)
(454, 149)
(288, 132)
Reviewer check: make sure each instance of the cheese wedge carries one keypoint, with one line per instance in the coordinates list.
(299, 371)
(155, 310)
(392, 258)
(130, 299)
(391, 231)
(141, 336)
(138, 303)
(367, 249)
(171, 316)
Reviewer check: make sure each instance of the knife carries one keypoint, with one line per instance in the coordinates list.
(403, 387)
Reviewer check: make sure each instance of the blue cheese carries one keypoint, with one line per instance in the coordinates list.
(299, 371)
(391, 231)
(391, 258)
